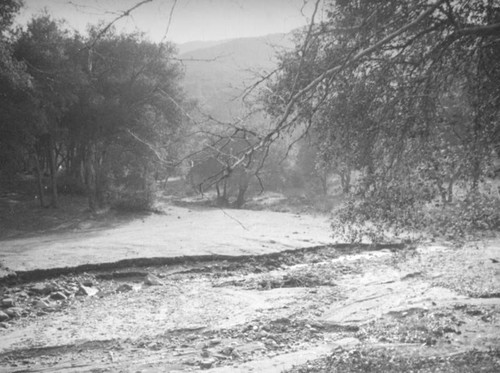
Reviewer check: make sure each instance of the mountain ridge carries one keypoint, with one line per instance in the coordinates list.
(218, 71)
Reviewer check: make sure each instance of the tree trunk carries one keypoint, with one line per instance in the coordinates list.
(53, 170)
(100, 180)
(323, 178)
(243, 182)
(442, 190)
(217, 188)
(41, 194)
(90, 177)
(240, 200)
(345, 181)
(221, 197)
(450, 191)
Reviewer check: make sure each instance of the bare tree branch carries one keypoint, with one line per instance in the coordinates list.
(124, 14)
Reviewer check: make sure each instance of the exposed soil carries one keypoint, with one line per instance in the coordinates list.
(345, 309)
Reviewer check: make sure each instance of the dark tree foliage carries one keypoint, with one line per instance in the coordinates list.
(126, 114)
(13, 82)
(97, 114)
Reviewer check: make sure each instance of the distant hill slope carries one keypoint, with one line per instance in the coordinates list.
(194, 45)
(217, 72)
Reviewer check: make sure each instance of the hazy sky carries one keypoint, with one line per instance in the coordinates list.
(192, 19)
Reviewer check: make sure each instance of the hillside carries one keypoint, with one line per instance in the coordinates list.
(197, 44)
(217, 72)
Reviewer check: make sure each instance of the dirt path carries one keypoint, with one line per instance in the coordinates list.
(179, 232)
(266, 314)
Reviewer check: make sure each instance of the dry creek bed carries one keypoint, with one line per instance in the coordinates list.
(328, 309)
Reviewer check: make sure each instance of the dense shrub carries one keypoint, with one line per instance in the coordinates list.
(406, 214)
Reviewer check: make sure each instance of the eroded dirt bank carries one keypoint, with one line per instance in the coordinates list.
(317, 310)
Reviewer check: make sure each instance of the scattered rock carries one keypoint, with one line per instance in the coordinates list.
(3, 316)
(235, 354)
(22, 294)
(201, 345)
(205, 353)
(58, 296)
(207, 363)
(263, 334)
(14, 312)
(42, 304)
(4, 325)
(42, 289)
(87, 291)
(8, 302)
(88, 283)
(152, 280)
(227, 351)
(215, 342)
(271, 343)
(124, 288)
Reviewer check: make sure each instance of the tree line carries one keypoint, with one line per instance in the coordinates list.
(98, 114)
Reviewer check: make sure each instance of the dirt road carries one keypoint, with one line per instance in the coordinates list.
(179, 232)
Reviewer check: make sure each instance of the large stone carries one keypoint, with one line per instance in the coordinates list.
(42, 289)
(8, 302)
(87, 291)
(22, 294)
(14, 312)
(152, 280)
(3, 316)
(207, 363)
(124, 288)
(88, 283)
(58, 296)
(42, 304)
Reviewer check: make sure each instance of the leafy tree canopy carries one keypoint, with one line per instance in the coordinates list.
(407, 94)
